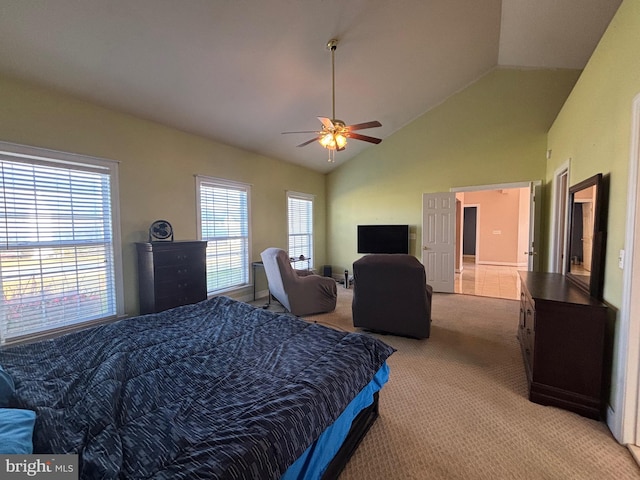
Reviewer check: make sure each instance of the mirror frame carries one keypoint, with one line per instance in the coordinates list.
(595, 283)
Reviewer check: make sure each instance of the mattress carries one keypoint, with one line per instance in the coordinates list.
(218, 389)
(315, 460)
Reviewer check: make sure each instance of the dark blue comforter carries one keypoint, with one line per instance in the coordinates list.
(218, 389)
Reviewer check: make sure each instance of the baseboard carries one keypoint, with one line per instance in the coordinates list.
(503, 264)
(635, 452)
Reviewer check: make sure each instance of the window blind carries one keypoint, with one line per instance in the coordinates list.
(57, 265)
(300, 213)
(224, 224)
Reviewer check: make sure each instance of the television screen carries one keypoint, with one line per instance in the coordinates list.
(383, 238)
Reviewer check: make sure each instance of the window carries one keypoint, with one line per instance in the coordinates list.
(223, 215)
(300, 213)
(60, 261)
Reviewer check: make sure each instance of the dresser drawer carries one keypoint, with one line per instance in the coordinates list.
(185, 256)
(526, 332)
(177, 272)
(181, 286)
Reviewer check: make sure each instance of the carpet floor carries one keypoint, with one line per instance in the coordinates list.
(456, 406)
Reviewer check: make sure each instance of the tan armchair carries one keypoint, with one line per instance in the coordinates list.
(300, 292)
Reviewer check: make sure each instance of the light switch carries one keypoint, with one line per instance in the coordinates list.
(621, 259)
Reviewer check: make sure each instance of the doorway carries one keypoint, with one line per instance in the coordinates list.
(624, 420)
(506, 238)
(469, 232)
(496, 244)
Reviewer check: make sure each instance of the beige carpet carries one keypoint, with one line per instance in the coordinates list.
(455, 407)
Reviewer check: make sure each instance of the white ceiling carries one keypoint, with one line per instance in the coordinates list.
(243, 71)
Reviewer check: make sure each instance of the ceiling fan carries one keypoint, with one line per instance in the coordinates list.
(334, 133)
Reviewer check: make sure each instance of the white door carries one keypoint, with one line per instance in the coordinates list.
(439, 239)
(534, 226)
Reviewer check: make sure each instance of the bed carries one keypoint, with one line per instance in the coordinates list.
(218, 389)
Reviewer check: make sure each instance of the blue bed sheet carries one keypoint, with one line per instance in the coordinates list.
(218, 389)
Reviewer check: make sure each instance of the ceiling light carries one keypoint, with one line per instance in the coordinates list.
(334, 133)
(333, 140)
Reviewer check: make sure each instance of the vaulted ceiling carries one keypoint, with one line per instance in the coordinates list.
(243, 71)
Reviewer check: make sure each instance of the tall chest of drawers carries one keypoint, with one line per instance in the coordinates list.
(171, 274)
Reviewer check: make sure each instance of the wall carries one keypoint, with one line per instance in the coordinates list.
(594, 131)
(494, 131)
(499, 225)
(157, 168)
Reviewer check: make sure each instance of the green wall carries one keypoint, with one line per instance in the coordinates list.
(494, 131)
(594, 127)
(593, 130)
(157, 169)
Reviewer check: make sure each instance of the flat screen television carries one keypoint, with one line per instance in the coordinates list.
(383, 238)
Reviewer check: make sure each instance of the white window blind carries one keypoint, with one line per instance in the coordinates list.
(224, 223)
(300, 214)
(57, 261)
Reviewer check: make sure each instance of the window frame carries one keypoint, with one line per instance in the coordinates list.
(234, 185)
(305, 197)
(24, 154)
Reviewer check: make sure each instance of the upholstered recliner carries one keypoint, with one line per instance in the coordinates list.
(391, 295)
(299, 291)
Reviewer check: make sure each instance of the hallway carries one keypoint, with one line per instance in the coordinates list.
(496, 281)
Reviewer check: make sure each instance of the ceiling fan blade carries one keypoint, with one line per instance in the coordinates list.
(303, 131)
(328, 124)
(308, 142)
(364, 138)
(362, 126)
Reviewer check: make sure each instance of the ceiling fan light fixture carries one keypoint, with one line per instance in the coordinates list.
(334, 133)
(327, 141)
(333, 141)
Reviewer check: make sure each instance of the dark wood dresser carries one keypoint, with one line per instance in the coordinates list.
(561, 332)
(171, 274)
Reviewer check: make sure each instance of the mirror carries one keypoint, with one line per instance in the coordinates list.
(585, 252)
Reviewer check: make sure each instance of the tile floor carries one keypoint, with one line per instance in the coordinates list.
(488, 280)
